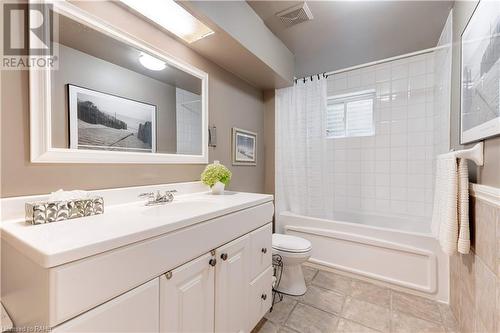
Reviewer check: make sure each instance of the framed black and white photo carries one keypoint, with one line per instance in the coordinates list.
(101, 121)
(480, 74)
(244, 147)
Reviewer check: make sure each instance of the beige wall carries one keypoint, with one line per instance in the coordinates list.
(269, 145)
(489, 174)
(232, 102)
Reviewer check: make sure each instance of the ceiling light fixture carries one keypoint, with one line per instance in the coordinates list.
(172, 17)
(151, 62)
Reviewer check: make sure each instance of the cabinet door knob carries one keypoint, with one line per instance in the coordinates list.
(264, 297)
(264, 250)
(213, 262)
(223, 256)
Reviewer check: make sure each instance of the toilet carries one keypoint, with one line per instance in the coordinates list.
(294, 251)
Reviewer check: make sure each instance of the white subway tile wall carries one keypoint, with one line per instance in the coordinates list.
(390, 173)
(442, 89)
(188, 122)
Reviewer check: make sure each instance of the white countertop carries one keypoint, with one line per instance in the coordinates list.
(57, 243)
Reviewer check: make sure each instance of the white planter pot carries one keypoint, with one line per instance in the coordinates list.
(218, 188)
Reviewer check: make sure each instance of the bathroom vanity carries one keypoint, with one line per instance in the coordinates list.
(201, 263)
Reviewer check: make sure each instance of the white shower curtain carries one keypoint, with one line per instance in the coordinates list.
(300, 149)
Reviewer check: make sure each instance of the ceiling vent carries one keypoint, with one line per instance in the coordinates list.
(295, 15)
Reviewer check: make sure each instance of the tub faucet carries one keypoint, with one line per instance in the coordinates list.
(158, 198)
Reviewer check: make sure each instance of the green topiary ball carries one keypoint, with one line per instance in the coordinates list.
(214, 173)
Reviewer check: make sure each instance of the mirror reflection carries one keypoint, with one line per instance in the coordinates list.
(108, 95)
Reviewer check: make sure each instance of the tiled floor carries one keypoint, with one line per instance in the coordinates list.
(335, 303)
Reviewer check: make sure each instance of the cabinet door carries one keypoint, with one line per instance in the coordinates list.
(261, 250)
(187, 297)
(232, 286)
(134, 311)
(260, 297)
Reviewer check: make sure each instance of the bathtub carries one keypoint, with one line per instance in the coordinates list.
(396, 252)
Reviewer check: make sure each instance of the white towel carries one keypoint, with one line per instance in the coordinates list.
(463, 207)
(450, 218)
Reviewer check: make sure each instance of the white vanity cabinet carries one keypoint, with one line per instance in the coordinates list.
(225, 290)
(213, 274)
(261, 274)
(135, 311)
(243, 281)
(218, 291)
(187, 297)
(232, 278)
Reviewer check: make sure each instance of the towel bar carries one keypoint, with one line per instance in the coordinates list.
(474, 154)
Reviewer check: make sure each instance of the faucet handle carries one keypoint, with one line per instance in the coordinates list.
(170, 195)
(146, 195)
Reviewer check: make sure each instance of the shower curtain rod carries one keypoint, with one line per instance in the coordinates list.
(377, 62)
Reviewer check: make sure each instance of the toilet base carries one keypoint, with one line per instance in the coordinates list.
(292, 281)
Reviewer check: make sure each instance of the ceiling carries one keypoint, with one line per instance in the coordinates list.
(348, 33)
(92, 42)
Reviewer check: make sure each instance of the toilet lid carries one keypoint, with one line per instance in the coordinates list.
(290, 243)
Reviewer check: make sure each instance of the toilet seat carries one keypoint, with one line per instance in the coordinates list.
(291, 244)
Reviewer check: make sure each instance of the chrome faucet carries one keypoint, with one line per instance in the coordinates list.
(158, 198)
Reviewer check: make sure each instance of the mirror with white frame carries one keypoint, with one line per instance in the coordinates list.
(113, 99)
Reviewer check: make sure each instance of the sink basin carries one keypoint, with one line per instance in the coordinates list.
(177, 207)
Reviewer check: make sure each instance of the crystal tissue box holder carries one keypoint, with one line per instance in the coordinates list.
(53, 211)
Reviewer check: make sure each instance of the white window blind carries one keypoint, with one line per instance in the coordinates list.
(335, 120)
(350, 115)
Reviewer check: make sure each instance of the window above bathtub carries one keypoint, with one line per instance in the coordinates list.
(350, 115)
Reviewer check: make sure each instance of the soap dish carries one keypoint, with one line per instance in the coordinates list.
(52, 211)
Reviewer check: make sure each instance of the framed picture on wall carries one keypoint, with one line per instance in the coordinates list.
(244, 147)
(101, 121)
(480, 74)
